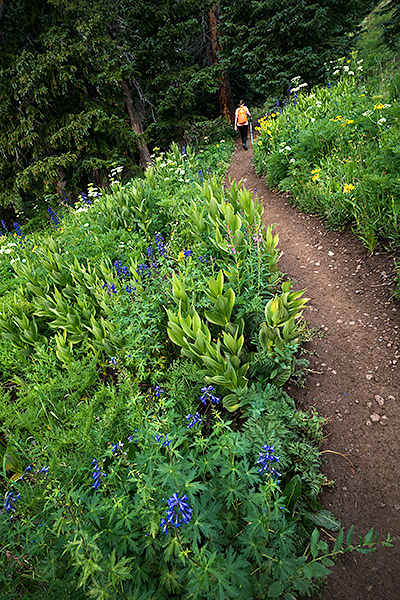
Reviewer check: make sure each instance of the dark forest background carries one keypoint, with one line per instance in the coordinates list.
(84, 84)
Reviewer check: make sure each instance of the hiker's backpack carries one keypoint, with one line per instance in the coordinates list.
(242, 116)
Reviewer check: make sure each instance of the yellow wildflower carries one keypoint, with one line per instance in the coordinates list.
(269, 132)
(348, 187)
(315, 171)
(181, 255)
(259, 142)
(315, 177)
(378, 106)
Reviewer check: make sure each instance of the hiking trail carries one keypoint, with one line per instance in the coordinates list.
(354, 380)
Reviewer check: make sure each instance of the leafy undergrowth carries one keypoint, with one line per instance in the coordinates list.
(336, 148)
(149, 450)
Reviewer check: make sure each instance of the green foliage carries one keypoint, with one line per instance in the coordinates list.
(271, 44)
(103, 421)
(336, 149)
(81, 81)
(110, 540)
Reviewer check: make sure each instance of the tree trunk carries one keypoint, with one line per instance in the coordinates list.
(224, 90)
(136, 124)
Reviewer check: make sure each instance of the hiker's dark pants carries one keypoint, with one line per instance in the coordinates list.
(243, 132)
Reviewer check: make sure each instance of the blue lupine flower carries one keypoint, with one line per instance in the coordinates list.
(179, 512)
(184, 150)
(44, 470)
(130, 437)
(201, 176)
(149, 251)
(84, 198)
(4, 226)
(10, 501)
(158, 391)
(166, 441)
(202, 259)
(266, 457)
(122, 272)
(115, 448)
(54, 217)
(143, 269)
(97, 473)
(208, 395)
(193, 419)
(160, 245)
(109, 288)
(114, 360)
(20, 234)
(28, 468)
(129, 288)
(187, 253)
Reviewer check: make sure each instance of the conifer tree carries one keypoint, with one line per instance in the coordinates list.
(272, 42)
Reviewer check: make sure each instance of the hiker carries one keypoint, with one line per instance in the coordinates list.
(242, 115)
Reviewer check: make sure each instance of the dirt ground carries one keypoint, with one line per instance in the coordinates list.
(354, 380)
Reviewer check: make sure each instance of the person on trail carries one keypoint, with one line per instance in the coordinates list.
(242, 116)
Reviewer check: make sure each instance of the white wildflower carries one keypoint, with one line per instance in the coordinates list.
(383, 120)
(336, 72)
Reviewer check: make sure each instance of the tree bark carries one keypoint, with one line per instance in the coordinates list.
(224, 89)
(136, 124)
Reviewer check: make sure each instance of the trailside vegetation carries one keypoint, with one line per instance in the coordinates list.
(335, 147)
(148, 447)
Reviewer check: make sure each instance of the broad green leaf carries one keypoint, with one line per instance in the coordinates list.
(275, 589)
(349, 536)
(314, 543)
(292, 492)
(315, 569)
(324, 518)
(338, 542)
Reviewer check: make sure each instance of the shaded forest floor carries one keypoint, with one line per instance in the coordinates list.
(354, 380)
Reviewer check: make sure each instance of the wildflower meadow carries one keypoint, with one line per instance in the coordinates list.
(335, 150)
(148, 448)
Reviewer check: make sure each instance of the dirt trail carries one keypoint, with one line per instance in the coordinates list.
(354, 381)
